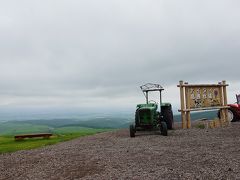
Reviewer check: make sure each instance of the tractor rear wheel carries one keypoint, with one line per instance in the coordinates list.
(232, 115)
(163, 128)
(132, 130)
(168, 116)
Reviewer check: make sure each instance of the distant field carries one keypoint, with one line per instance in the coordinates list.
(8, 144)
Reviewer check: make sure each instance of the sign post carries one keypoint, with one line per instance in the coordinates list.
(200, 97)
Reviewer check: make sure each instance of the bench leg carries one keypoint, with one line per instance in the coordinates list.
(18, 139)
(46, 137)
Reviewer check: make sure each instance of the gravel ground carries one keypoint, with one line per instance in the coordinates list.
(184, 154)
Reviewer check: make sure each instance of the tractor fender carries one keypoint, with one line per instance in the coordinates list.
(233, 105)
(165, 104)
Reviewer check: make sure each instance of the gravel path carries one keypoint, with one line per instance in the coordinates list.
(184, 154)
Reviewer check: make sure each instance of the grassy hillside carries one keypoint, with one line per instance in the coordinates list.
(198, 115)
(62, 129)
(53, 125)
(8, 144)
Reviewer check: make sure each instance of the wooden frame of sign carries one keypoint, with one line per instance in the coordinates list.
(201, 97)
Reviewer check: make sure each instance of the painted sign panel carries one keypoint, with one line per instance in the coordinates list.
(203, 97)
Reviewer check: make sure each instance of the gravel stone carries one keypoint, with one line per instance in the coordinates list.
(183, 154)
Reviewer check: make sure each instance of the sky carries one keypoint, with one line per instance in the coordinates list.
(92, 53)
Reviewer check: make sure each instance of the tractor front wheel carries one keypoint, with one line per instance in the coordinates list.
(163, 128)
(132, 130)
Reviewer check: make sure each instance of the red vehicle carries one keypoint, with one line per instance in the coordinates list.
(234, 110)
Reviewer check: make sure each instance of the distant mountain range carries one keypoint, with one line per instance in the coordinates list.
(108, 121)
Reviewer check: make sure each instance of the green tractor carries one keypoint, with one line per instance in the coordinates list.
(147, 116)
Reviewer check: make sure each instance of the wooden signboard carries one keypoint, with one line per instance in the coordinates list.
(198, 97)
(203, 97)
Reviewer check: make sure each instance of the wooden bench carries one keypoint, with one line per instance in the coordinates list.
(23, 136)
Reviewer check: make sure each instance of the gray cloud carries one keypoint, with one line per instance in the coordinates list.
(92, 52)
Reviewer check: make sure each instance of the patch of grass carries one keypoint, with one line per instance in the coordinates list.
(200, 126)
(8, 144)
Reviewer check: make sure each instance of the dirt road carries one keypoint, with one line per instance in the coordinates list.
(184, 154)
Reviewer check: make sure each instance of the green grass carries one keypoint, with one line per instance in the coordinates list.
(8, 144)
(200, 126)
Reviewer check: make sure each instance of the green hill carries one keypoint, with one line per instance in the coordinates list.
(52, 125)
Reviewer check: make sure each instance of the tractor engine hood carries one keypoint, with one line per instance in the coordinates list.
(150, 106)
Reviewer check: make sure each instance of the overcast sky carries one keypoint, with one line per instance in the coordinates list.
(90, 53)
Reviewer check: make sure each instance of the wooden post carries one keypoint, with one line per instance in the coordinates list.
(225, 101)
(188, 117)
(222, 113)
(182, 104)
